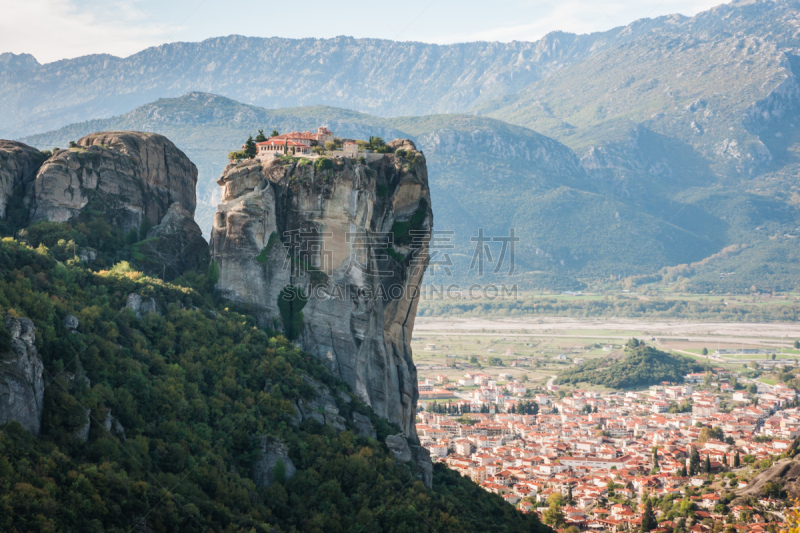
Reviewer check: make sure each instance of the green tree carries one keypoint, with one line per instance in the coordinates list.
(705, 351)
(709, 433)
(554, 516)
(213, 274)
(694, 461)
(279, 472)
(144, 227)
(771, 489)
(250, 147)
(708, 464)
(752, 388)
(376, 143)
(291, 301)
(797, 345)
(648, 518)
(274, 133)
(736, 460)
(260, 138)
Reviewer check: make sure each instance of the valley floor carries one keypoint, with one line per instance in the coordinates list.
(588, 456)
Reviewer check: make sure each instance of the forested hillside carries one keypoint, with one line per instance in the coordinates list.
(180, 415)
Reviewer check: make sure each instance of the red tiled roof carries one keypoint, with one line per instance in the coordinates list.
(280, 142)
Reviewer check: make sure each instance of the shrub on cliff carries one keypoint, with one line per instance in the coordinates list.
(322, 164)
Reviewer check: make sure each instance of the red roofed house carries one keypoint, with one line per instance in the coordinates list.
(275, 146)
(294, 143)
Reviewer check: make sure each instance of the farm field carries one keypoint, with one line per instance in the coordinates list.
(533, 350)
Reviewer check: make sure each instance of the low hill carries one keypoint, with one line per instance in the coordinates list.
(641, 366)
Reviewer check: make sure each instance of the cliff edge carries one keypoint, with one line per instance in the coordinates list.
(333, 251)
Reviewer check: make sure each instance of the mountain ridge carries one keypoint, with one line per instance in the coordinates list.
(247, 72)
(519, 169)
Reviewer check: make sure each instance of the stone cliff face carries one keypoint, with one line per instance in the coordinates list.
(129, 176)
(332, 251)
(21, 382)
(18, 166)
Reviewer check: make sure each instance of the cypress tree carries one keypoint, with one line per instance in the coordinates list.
(694, 462)
(648, 519)
(250, 147)
(708, 464)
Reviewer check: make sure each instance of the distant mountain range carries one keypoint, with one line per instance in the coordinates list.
(669, 142)
(381, 77)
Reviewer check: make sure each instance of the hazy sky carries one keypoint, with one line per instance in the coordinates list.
(57, 29)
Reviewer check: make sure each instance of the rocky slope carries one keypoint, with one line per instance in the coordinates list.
(785, 472)
(307, 246)
(693, 88)
(21, 382)
(9, 62)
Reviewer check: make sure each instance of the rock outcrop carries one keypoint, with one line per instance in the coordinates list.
(333, 252)
(142, 305)
(21, 382)
(71, 323)
(785, 473)
(419, 457)
(175, 245)
(272, 464)
(322, 407)
(82, 434)
(398, 445)
(19, 164)
(127, 176)
(423, 466)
